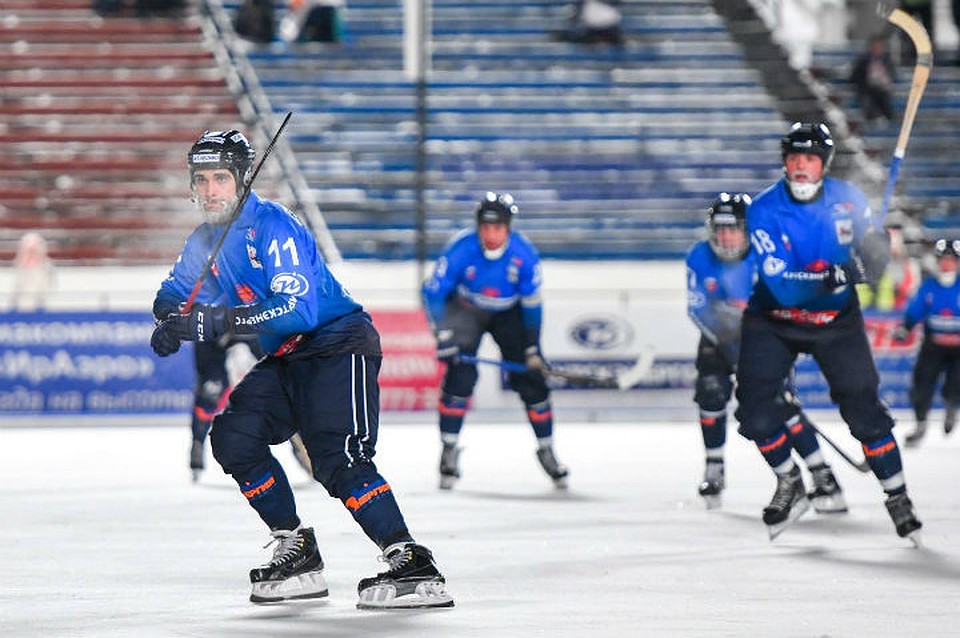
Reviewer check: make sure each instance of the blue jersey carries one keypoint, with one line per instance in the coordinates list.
(796, 244)
(938, 307)
(269, 267)
(717, 293)
(493, 285)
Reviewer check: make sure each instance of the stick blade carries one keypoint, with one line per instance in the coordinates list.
(915, 29)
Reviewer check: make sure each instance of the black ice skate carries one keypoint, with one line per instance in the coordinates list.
(196, 460)
(913, 439)
(949, 419)
(713, 483)
(413, 580)
(789, 502)
(554, 469)
(300, 453)
(294, 572)
(826, 496)
(905, 520)
(449, 466)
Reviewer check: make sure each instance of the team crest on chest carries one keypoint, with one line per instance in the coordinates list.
(844, 228)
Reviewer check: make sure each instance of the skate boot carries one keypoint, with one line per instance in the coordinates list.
(904, 518)
(826, 496)
(413, 580)
(949, 419)
(294, 572)
(789, 502)
(300, 453)
(196, 460)
(713, 483)
(556, 471)
(913, 439)
(449, 466)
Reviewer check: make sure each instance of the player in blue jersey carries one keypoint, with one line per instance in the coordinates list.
(813, 239)
(318, 378)
(719, 280)
(936, 305)
(488, 281)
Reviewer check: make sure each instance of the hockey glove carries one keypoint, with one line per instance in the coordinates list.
(875, 253)
(534, 359)
(851, 272)
(203, 323)
(163, 342)
(447, 348)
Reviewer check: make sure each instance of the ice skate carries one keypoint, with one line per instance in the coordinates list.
(949, 419)
(413, 580)
(901, 511)
(196, 460)
(449, 466)
(826, 495)
(557, 471)
(913, 439)
(789, 502)
(301, 454)
(713, 483)
(295, 571)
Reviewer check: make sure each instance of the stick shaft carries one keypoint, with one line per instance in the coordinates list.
(861, 466)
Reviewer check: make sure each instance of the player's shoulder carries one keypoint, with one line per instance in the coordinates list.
(699, 253)
(521, 245)
(840, 189)
(462, 241)
(768, 197)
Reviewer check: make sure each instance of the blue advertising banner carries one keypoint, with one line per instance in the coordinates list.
(89, 363)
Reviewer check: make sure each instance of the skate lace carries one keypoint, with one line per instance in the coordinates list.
(783, 495)
(823, 478)
(396, 559)
(289, 544)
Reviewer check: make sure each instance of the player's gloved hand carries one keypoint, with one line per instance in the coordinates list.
(851, 272)
(203, 323)
(900, 334)
(447, 348)
(533, 358)
(163, 342)
(875, 255)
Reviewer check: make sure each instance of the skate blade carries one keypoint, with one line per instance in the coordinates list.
(832, 504)
(195, 475)
(560, 483)
(798, 509)
(299, 587)
(447, 482)
(712, 501)
(916, 538)
(431, 593)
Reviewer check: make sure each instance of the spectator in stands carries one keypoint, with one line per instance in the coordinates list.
(873, 77)
(313, 21)
(35, 274)
(142, 8)
(593, 22)
(255, 21)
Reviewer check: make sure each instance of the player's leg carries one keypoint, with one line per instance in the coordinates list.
(337, 406)
(846, 361)
(766, 359)
(714, 388)
(257, 417)
(926, 371)
(508, 332)
(210, 393)
(456, 390)
(951, 390)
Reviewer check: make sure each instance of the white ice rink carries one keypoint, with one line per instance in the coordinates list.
(104, 535)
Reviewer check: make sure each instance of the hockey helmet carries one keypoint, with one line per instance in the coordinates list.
(728, 211)
(944, 247)
(222, 149)
(811, 138)
(496, 208)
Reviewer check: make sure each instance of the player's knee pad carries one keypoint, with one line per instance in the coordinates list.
(460, 380)
(713, 392)
(532, 388)
(358, 486)
(234, 447)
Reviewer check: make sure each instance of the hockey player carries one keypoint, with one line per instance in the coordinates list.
(719, 279)
(319, 378)
(937, 305)
(813, 240)
(488, 281)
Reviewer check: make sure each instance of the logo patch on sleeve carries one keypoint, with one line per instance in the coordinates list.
(290, 283)
(773, 266)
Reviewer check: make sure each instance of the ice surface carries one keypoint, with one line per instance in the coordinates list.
(104, 535)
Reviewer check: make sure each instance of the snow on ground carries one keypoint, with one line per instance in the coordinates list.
(104, 535)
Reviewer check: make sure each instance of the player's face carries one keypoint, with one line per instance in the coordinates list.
(215, 191)
(731, 237)
(803, 168)
(493, 236)
(947, 263)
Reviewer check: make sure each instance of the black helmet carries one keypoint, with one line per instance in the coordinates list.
(812, 138)
(728, 210)
(946, 247)
(496, 209)
(222, 149)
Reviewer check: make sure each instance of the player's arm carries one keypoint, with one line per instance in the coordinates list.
(531, 310)
(789, 282)
(435, 291)
(176, 288)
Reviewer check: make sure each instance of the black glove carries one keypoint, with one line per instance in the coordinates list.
(901, 334)
(533, 358)
(163, 342)
(203, 323)
(851, 272)
(875, 252)
(447, 348)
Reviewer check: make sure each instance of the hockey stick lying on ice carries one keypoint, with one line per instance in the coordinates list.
(921, 73)
(619, 382)
(861, 466)
(241, 200)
